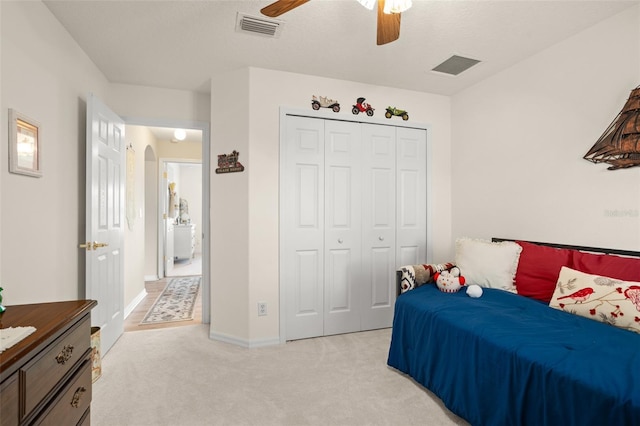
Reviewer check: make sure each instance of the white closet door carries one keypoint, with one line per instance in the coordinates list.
(411, 233)
(302, 227)
(378, 225)
(342, 227)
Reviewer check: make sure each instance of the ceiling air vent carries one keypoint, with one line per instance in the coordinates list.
(258, 26)
(455, 65)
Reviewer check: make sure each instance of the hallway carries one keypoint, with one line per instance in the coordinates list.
(182, 268)
(189, 267)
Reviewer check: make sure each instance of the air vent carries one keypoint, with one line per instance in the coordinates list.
(455, 65)
(259, 26)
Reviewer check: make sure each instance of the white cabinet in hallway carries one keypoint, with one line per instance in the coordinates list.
(184, 241)
(353, 208)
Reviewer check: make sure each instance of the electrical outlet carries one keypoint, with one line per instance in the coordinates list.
(262, 309)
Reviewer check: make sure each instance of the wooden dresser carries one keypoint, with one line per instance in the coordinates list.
(46, 377)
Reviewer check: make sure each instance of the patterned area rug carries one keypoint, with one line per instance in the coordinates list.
(176, 303)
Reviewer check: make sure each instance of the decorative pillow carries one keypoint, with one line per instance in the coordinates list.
(415, 275)
(486, 263)
(608, 265)
(603, 299)
(538, 270)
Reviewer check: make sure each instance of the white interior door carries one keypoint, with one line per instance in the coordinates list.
(105, 182)
(378, 225)
(342, 231)
(302, 227)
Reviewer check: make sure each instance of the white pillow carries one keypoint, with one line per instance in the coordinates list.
(488, 264)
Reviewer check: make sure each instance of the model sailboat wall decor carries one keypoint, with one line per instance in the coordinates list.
(619, 145)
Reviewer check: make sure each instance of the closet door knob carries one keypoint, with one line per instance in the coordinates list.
(381, 238)
(340, 241)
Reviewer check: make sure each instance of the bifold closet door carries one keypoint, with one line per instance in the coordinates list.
(378, 226)
(302, 227)
(352, 209)
(342, 241)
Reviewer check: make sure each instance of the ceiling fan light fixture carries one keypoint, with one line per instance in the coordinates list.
(367, 3)
(396, 6)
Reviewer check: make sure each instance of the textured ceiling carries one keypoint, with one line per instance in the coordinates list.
(181, 44)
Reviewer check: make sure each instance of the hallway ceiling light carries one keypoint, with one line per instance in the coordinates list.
(180, 134)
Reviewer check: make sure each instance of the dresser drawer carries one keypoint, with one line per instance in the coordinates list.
(9, 401)
(73, 401)
(44, 372)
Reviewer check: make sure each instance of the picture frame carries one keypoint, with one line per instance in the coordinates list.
(25, 154)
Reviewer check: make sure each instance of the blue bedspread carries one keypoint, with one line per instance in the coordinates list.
(504, 359)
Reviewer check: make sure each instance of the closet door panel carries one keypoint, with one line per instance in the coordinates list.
(302, 227)
(378, 225)
(342, 227)
(306, 284)
(412, 196)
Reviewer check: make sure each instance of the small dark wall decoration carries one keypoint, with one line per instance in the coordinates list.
(228, 163)
(619, 145)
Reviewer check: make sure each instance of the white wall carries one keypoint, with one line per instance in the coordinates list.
(134, 238)
(46, 76)
(259, 147)
(230, 210)
(158, 104)
(183, 150)
(519, 138)
(151, 213)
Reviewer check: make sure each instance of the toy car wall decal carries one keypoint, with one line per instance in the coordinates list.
(318, 102)
(362, 106)
(393, 111)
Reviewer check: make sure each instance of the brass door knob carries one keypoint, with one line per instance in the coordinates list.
(92, 245)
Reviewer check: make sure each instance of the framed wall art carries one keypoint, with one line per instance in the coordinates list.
(25, 156)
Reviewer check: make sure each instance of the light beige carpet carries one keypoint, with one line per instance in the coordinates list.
(180, 377)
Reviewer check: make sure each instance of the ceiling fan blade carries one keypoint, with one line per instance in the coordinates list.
(281, 6)
(388, 25)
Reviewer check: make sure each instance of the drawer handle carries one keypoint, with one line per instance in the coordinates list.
(64, 354)
(75, 401)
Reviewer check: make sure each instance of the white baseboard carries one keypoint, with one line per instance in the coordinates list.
(250, 344)
(135, 302)
(151, 278)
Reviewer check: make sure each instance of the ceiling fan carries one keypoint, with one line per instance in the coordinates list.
(388, 20)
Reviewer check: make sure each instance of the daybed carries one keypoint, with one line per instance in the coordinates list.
(509, 359)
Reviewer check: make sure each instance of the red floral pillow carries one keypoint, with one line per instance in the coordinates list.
(538, 270)
(610, 300)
